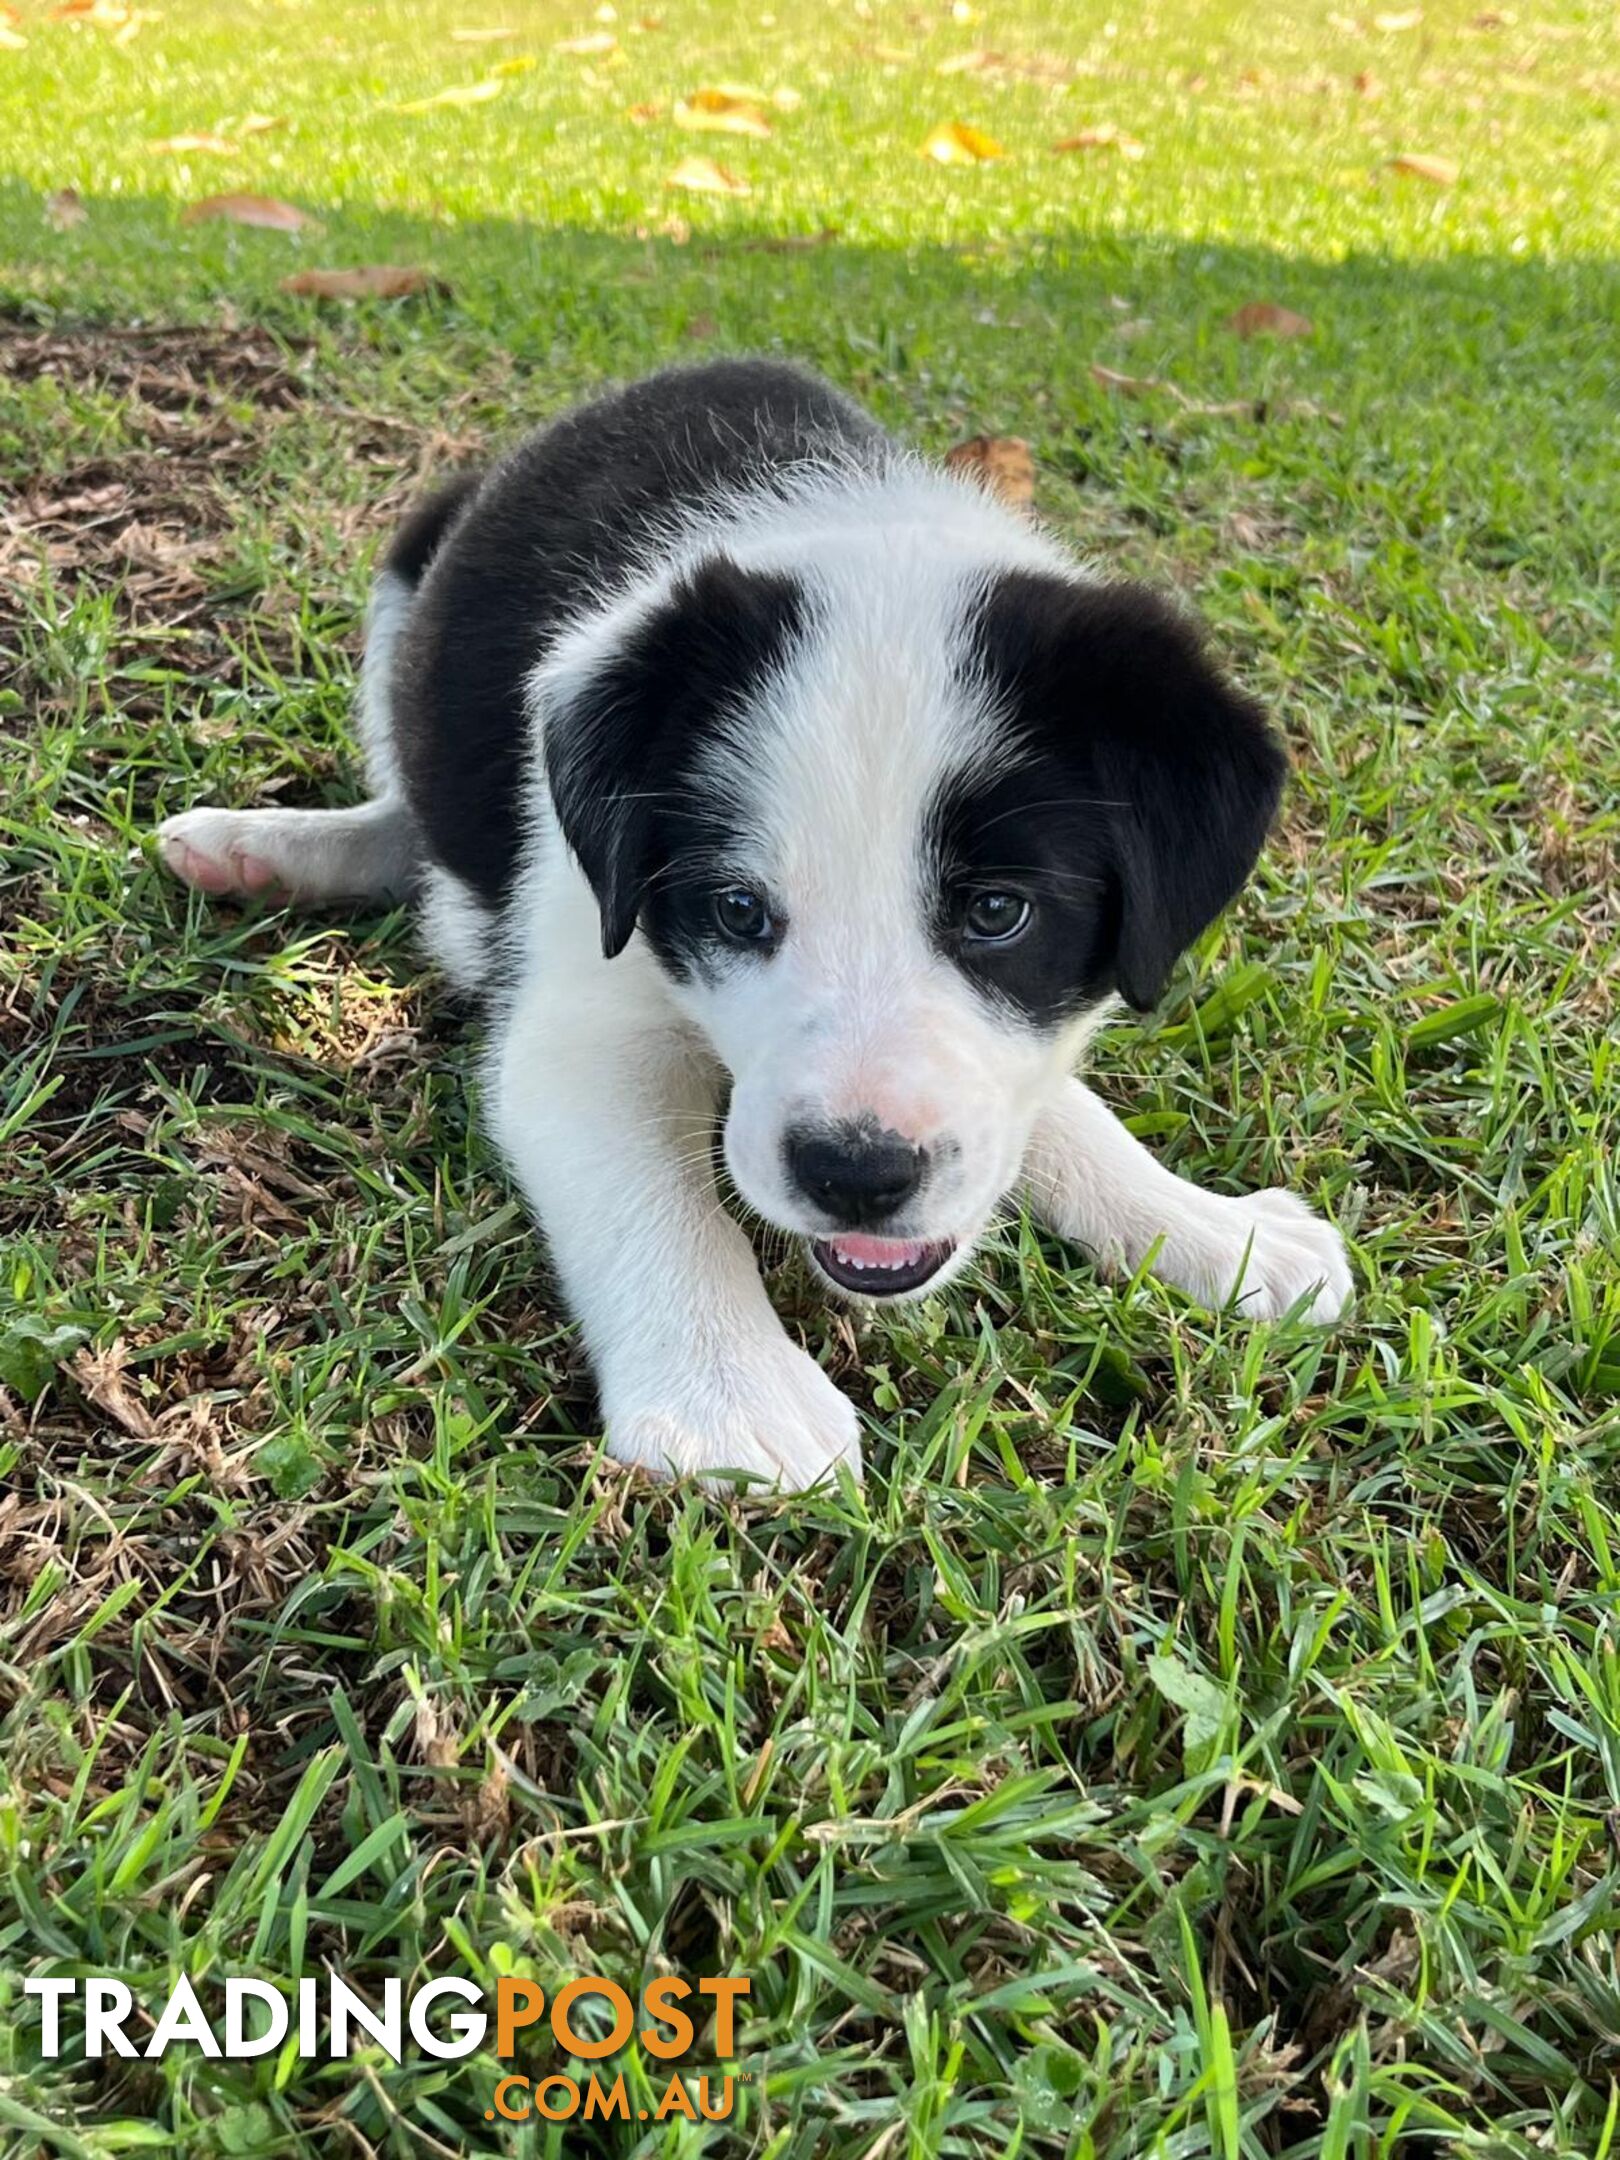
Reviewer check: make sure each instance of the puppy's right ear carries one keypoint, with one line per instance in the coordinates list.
(624, 721)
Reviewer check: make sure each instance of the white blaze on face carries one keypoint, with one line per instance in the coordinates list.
(857, 1016)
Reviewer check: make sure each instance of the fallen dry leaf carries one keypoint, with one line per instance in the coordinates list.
(589, 47)
(702, 176)
(719, 112)
(101, 1377)
(642, 114)
(477, 93)
(64, 208)
(788, 243)
(1000, 464)
(1417, 165)
(1404, 19)
(1368, 84)
(257, 123)
(1264, 318)
(519, 64)
(9, 16)
(701, 328)
(188, 145)
(265, 210)
(473, 36)
(10, 41)
(365, 281)
(955, 143)
(1104, 136)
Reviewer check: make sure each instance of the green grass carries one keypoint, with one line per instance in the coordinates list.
(1196, 1739)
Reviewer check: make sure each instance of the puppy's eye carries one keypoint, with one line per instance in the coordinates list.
(994, 918)
(742, 916)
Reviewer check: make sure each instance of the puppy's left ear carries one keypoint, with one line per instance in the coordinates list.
(1185, 767)
(624, 721)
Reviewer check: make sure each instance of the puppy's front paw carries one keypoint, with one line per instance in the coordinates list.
(774, 1416)
(1273, 1251)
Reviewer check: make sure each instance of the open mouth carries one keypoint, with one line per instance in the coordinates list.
(880, 1266)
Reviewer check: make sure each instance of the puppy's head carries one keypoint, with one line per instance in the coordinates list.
(898, 832)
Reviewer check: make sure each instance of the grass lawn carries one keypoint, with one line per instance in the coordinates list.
(1196, 1739)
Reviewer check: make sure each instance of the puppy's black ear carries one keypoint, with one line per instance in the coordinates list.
(1185, 769)
(620, 743)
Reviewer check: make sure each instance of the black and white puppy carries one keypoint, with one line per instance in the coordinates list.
(727, 745)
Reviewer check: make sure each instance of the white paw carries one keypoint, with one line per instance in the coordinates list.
(218, 851)
(772, 1415)
(1272, 1252)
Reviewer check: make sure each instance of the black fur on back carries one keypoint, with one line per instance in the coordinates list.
(556, 526)
(1138, 790)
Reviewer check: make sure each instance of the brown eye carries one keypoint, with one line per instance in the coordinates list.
(994, 918)
(742, 916)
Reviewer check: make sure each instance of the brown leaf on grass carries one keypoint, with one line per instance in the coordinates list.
(788, 243)
(487, 1810)
(101, 1377)
(1369, 85)
(1050, 68)
(1001, 465)
(1418, 165)
(953, 142)
(64, 208)
(589, 47)
(700, 328)
(267, 211)
(475, 93)
(9, 17)
(364, 281)
(702, 176)
(434, 1735)
(1264, 318)
(205, 143)
(1104, 136)
(643, 114)
(720, 113)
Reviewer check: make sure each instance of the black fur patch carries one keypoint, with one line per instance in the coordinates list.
(554, 528)
(619, 759)
(1131, 809)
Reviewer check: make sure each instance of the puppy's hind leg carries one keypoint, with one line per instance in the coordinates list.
(369, 852)
(365, 853)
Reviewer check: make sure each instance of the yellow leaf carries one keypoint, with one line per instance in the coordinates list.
(266, 210)
(1264, 318)
(1104, 136)
(478, 93)
(519, 64)
(702, 176)
(955, 143)
(191, 145)
(721, 113)
(1438, 171)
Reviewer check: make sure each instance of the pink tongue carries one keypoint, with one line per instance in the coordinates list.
(879, 1251)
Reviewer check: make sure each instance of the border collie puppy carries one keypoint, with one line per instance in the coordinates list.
(731, 750)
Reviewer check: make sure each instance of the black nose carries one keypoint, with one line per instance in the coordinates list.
(853, 1172)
